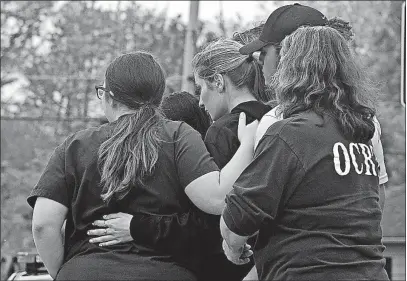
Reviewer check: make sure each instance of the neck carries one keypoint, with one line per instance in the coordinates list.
(122, 112)
(240, 96)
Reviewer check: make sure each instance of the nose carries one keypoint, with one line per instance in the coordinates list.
(261, 58)
(201, 104)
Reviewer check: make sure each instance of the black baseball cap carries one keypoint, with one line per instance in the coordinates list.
(282, 22)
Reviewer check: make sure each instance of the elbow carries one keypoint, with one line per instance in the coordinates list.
(218, 206)
(41, 229)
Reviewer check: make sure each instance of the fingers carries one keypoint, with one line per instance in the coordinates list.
(100, 239)
(246, 254)
(242, 123)
(101, 231)
(113, 216)
(109, 243)
(101, 223)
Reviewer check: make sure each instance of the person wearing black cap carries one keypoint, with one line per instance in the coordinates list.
(282, 22)
(311, 193)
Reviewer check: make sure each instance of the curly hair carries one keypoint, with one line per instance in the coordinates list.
(318, 72)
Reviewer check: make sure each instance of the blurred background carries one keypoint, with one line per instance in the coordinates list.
(54, 52)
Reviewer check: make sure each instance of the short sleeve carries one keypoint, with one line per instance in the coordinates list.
(191, 156)
(263, 187)
(52, 183)
(222, 144)
(378, 152)
(266, 121)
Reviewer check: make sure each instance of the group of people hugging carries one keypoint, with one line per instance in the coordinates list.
(271, 170)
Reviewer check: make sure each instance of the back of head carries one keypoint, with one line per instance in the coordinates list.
(136, 79)
(129, 155)
(223, 57)
(285, 20)
(318, 72)
(183, 106)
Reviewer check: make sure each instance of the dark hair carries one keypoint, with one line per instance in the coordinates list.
(130, 153)
(318, 72)
(223, 57)
(183, 106)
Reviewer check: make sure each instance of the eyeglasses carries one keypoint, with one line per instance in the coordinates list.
(100, 91)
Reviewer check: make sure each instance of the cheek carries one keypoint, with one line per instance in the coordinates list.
(205, 97)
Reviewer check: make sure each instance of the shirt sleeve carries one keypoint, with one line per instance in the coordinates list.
(263, 187)
(222, 144)
(191, 156)
(52, 183)
(378, 152)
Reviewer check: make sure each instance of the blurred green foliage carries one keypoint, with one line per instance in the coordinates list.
(47, 42)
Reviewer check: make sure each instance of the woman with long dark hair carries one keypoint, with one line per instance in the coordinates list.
(311, 194)
(140, 162)
(229, 83)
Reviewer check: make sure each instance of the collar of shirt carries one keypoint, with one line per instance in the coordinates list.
(254, 109)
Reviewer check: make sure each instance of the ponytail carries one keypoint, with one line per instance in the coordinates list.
(129, 156)
(259, 83)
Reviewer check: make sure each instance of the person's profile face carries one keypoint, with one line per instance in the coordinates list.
(269, 60)
(210, 98)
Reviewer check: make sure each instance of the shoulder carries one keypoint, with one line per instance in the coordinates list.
(227, 123)
(303, 124)
(176, 130)
(89, 135)
(222, 129)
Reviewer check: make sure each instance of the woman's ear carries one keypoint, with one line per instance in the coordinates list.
(219, 82)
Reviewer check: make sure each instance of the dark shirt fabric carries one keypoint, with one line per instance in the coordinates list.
(201, 230)
(221, 138)
(72, 179)
(314, 198)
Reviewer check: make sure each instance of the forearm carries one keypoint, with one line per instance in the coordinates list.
(233, 240)
(231, 172)
(49, 244)
(382, 195)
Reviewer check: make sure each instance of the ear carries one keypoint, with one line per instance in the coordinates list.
(109, 100)
(219, 82)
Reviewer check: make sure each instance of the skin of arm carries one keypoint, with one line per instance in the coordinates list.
(48, 218)
(208, 191)
(382, 195)
(234, 245)
(252, 275)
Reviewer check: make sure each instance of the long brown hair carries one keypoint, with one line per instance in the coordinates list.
(130, 154)
(318, 72)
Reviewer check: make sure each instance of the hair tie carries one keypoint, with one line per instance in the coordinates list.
(249, 58)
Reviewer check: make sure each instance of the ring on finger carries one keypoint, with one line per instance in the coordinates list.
(105, 231)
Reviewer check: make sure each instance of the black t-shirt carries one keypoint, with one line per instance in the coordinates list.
(314, 198)
(221, 138)
(72, 179)
(196, 230)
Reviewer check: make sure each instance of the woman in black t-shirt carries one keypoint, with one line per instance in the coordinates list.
(139, 162)
(311, 193)
(229, 83)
